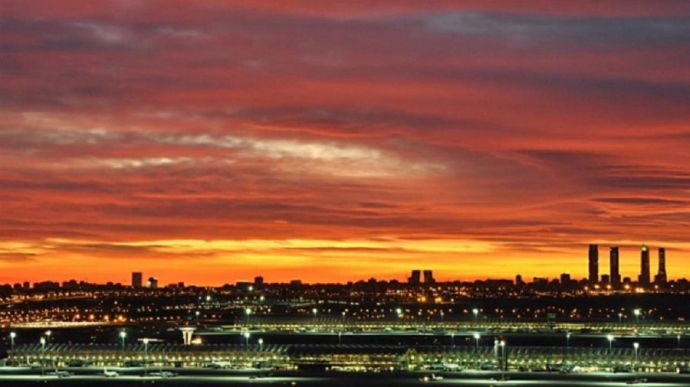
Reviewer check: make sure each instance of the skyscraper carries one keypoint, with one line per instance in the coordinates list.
(614, 267)
(137, 280)
(415, 278)
(644, 277)
(593, 264)
(429, 277)
(661, 278)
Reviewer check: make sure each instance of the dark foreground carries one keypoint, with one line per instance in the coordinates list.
(354, 379)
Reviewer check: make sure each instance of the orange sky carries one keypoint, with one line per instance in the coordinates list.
(212, 141)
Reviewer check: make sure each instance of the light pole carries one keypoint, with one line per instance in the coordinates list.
(123, 336)
(452, 339)
(637, 312)
(43, 354)
(146, 354)
(636, 345)
(678, 337)
(246, 338)
(247, 312)
(48, 333)
(620, 317)
(504, 355)
(476, 336)
(399, 312)
(475, 312)
(567, 340)
(261, 344)
(13, 335)
(610, 338)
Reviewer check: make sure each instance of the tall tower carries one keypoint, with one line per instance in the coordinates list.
(614, 267)
(429, 277)
(661, 275)
(644, 277)
(137, 280)
(415, 278)
(593, 264)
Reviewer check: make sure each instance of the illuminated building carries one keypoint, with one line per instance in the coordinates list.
(644, 277)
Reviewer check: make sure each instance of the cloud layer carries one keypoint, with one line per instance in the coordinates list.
(473, 136)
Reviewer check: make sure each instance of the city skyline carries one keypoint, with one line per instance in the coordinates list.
(426, 276)
(210, 141)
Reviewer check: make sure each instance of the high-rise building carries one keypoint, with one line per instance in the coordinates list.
(518, 280)
(429, 277)
(593, 264)
(415, 278)
(644, 277)
(614, 267)
(606, 279)
(661, 274)
(137, 280)
(152, 283)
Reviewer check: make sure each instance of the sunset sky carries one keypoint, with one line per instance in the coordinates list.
(212, 141)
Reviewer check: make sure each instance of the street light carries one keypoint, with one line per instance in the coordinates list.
(567, 340)
(261, 344)
(246, 338)
(610, 338)
(620, 317)
(146, 353)
(475, 312)
(637, 312)
(504, 355)
(452, 339)
(678, 339)
(399, 312)
(13, 335)
(476, 336)
(48, 333)
(123, 336)
(43, 354)
(247, 312)
(636, 345)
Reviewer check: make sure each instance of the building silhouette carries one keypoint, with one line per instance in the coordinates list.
(593, 264)
(644, 277)
(415, 278)
(614, 267)
(137, 280)
(429, 277)
(661, 278)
